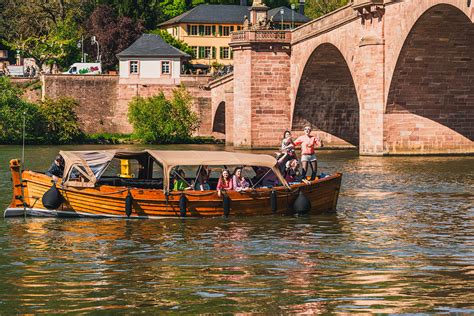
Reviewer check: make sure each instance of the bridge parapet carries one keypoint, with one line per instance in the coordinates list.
(260, 36)
(324, 24)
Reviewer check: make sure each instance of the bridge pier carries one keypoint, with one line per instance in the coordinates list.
(370, 78)
(261, 87)
(391, 77)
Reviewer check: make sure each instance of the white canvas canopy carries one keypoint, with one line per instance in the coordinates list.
(169, 159)
(84, 168)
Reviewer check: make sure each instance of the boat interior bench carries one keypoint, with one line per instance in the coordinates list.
(132, 182)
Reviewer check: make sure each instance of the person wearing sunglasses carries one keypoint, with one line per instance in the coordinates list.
(308, 143)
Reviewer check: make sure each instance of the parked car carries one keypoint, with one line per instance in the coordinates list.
(84, 69)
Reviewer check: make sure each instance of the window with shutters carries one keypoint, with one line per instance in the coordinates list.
(207, 52)
(225, 52)
(193, 30)
(225, 31)
(207, 30)
(195, 51)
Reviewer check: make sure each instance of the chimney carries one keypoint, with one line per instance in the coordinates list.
(301, 7)
(243, 3)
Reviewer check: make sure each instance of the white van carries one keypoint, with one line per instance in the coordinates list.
(84, 69)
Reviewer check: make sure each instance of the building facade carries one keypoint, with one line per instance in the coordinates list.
(150, 57)
(207, 29)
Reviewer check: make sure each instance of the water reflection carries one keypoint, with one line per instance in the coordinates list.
(401, 242)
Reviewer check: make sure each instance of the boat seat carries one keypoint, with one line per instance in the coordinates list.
(134, 183)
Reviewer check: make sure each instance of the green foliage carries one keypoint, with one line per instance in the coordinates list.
(147, 11)
(61, 120)
(172, 8)
(59, 46)
(159, 120)
(317, 8)
(53, 121)
(12, 112)
(108, 138)
(168, 38)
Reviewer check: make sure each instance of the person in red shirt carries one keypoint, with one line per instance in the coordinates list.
(225, 182)
(308, 143)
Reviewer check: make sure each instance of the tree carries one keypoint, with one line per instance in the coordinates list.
(159, 120)
(168, 38)
(172, 8)
(46, 30)
(113, 33)
(317, 8)
(147, 11)
(56, 47)
(12, 111)
(62, 123)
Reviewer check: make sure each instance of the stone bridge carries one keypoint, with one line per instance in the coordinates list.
(386, 76)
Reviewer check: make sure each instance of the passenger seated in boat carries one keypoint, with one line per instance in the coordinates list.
(202, 178)
(265, 177)
(287, 149)
(225, 182)
(292, 172)
(180, 183)
(239, 182)
(57, 168)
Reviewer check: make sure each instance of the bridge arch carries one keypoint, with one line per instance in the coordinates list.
(431, 90)
(326, 98)
(218, 123)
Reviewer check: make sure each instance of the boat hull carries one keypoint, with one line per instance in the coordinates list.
(111, 201)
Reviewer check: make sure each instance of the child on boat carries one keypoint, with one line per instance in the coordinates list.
(180, 183)
(202, 178)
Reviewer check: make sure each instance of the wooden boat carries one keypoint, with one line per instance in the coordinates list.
(88, 190)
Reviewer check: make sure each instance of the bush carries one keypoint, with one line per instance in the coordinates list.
(159, 120)
(61, 120)
(12, 111)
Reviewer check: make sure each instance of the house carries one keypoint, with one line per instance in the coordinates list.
(207, 28)
(150, 57)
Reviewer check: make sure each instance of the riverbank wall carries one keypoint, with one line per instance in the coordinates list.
(103, 100)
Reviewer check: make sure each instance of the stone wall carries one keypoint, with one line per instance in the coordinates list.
(32, 88)
(327, 99)
(430, 105)
(222, 96)
(97, 96)
(104, 99)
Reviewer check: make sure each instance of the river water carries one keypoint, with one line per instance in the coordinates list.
(402, 241)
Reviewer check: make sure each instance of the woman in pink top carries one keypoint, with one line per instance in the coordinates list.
(225, 182)
(308, 142)
(239, 182)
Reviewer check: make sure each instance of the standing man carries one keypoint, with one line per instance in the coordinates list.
(308, 143)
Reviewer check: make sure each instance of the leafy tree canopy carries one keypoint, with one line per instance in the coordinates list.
(160, 120)
(114, 33)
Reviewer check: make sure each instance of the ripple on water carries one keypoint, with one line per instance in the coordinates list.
(401, 242)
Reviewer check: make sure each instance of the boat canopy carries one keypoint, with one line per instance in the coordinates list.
(84, 168)
(172, 158)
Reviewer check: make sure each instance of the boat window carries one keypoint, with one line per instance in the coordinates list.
(157, 171)
(123, 168)
(78, 174)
